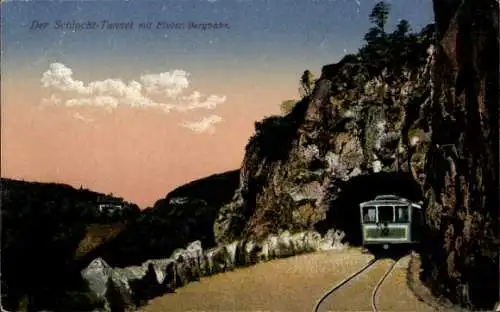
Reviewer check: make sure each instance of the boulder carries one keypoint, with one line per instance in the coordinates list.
(332, 240)
(119, 294)
(312, 241)
(251, 252)
(270, 246)
(217, 260)
(107, 284)
(285, 245)
(264, 254)
(232, 250)
(159, 278)
(299, 242)
(97, 274)
(185, 268)
(163, 269)
(194, 253)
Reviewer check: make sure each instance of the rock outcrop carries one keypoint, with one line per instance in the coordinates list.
(125, 289)
(357, 122)
(460, 257)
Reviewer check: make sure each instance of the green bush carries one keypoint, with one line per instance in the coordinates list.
(273, 137)
(287, 106)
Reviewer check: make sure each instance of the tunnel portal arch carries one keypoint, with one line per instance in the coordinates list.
(345, 196)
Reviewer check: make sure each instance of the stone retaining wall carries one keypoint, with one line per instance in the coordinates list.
(124, 289)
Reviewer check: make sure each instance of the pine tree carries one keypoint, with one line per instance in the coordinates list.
(306, 83)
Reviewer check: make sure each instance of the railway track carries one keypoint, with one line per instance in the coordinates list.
(346, 281)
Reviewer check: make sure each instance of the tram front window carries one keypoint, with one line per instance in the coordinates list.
(385, 214)
(369, 214)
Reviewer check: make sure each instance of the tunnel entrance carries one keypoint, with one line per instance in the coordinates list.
(343, 212)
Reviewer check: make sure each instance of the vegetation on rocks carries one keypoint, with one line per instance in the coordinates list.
(307, 82)
(287, 106)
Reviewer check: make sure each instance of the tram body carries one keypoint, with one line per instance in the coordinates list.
(389, 220)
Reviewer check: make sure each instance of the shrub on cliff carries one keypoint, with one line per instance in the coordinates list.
(287, 106)
(273, 136)
(307, 82)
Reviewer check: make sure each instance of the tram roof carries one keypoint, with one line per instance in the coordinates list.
(389, 200)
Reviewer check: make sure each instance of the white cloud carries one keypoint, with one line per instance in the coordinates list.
(60, 77)
(204, 125)
(103, 101)
(168, 83)
(194, 101)
(111, 93)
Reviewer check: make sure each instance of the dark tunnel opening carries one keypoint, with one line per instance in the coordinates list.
(343, 213)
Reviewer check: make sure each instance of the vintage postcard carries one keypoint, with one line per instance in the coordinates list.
(249, 155)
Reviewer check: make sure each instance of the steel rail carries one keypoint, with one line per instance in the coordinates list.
(343, 283)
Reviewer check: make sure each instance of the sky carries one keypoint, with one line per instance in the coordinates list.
(135, 98)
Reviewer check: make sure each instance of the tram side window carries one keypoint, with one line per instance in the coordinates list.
(369, 214)
(402, 214)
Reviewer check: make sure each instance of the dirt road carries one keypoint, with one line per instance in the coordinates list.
(292, 284)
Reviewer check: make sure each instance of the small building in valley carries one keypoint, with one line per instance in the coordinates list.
(109, 204)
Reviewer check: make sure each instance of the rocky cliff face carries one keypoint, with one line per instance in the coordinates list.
(461, 188)
(361, 132)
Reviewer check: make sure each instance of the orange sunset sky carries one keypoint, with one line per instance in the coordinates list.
(137, 112)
